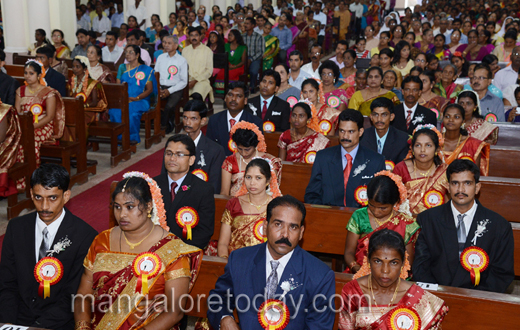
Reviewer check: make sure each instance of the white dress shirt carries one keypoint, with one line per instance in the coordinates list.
(180, 79)
(322, 18)
(196, 141)
(468, 219)
(308, 69)
(139, 13)
(281, 266)
(179, 182)
(237, 118)
(302, 76)
(52, 228)
(406, 110)
(111, 56)
(102, 25)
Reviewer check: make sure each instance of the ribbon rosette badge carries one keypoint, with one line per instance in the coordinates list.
(201, 174)
(273, 314)
(403, 318)
(292, 100)
(187, 218)
(491, 117)
(145, 266)
(268, 127)
(82, 95)
(259, 231)
(48, 271)
(172, 70)
(310, 156)
(333, 101)
(389, 165)
(437, 113)
(36, 110)
(433, 198)
(361, 196)
(475, 260)
(139, 76)
(325, 126)
(232, 145)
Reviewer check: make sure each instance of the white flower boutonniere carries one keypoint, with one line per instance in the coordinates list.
(60, 246)
(481, 230)
(287, 286)
(418, 119)
(360, 168)
(253, 108)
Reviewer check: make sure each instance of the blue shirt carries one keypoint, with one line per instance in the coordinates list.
(117, 20)
(491, 103)
(353, 153)
(383, 140)
(284, 35)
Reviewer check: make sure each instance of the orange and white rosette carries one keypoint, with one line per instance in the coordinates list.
(201, 174)
(83, 95)
(310, 156)
(491, 117)
(258, 231)
(325, 126)
(268, 127)
(361, 195)
(433, 198)
(48, 271)
(145, 266)
(475, 260)
(292, 100)
(389, 165)
(403, 318)
(36, 110)
(232, 145)
(333, 101)
(273, 314)
(139, 76)
(187, 218)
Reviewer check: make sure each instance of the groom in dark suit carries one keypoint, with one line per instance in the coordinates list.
(34, 236)
(267, 106)
(180, 188)
(383, 138)
(257, 273)
(462, 223)
(410, 114)
(220, 124)
(349, 163)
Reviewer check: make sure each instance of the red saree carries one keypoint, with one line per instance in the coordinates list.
(297, 150)
(11, 151)
(358, 314)
(471, 149)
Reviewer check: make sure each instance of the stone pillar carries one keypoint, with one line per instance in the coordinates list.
(63, 17)
(153, 7)
(15, 27)
(167, 7)
(38, 14)
(222, 4)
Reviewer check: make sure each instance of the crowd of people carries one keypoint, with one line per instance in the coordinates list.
(433, 82)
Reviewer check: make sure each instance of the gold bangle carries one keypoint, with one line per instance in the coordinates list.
(82, 325)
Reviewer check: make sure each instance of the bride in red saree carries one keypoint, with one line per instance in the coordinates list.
(113, 278)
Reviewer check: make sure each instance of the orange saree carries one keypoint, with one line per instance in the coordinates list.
(11, 151)
(471, 149)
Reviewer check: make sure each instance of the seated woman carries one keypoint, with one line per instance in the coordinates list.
(97, 70)
(286, 92)
(477, 46)
(361, 82)
(428, 98)
(421, 61)
(180, 31)
(409, 37)
(454, 41)
(250, 144)
(121, 40)
(504, 50)
(237, 57)
(141, 83)
(300, 143)
(361, 100)
(416, 71)
(272, 46)
(457, 143)
(110, 276)
(385, 62)
(44, 103)
(462, 68)
(383, 288)
(41, 41)
(62, 49)
(348, 73)
(58, 65)
(82, 85)
(11, 152)
(446, 87)
(361, 50)
(402, 61)
(384, 39)
(427, 41)
(244, 216)
(440, 50)
(335, 98)
(423, 171)
(474, 122)
(387, 208)
(327, 116)
(390, 83)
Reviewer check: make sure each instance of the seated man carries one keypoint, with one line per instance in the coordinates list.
(349, 161)
(269, 107)
(173, 71)
(200, 64)
(182, 189)
(297, 76)
(210, 155)
(490, 104)
(383, 138)
(454, 228)
(260, 271)
(220, 123)
(83, 43)
(8, 85)
(111, 52)
(53, 78)
(35, 236)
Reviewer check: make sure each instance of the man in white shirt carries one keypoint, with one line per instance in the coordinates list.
(111, 52)
(132, 38)
(101, 24)
(139, 11)
(357, 8)
(313, 66)
(192, 19)
(201, 16)
(173, 71)
(296, 75)
(322, 18)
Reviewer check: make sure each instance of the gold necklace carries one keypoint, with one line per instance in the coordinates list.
(33, 92)
(133, 245)
(258, 207)
(380, 223)
(422, 174)
(374, 297)
(134, 72)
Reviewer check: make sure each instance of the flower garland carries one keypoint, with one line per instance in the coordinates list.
(84, 84)
(403, 205)
(159, 214)
(262, 147)
(313, 123)
(365, 268)
(274, 189)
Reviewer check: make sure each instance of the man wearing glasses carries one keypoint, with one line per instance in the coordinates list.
(180, 188)
(312, 68)
(489, 102)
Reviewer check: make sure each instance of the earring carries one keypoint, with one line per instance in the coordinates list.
(463, 125)
(150, 214)
(435, 153)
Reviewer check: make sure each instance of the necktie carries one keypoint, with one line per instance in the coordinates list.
(379, 147)
(408, 119)
(172, 192)
(264, 110)
(346, 174)
(272, 280)
(461, 232)
(232, 123)
(45, 244)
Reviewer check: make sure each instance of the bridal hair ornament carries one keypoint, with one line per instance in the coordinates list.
(404, 204)
(42, 79)
(314, 120)
(262, 147)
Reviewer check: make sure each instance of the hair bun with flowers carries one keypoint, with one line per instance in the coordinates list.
(262, 147)
(314, 121)
(159, 214)
(404, 204)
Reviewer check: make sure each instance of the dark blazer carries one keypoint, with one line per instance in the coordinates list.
(209, 158)
(19, 300)
(428, 117)
(245, 273)
(326, 184)
(218, 127)
(278, 112)
(198, 195)
(396, 144)
(8, 87)
(57, 81)
(437, 257)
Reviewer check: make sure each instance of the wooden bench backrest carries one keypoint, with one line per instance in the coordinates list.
(75, 117)
(27, 141)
